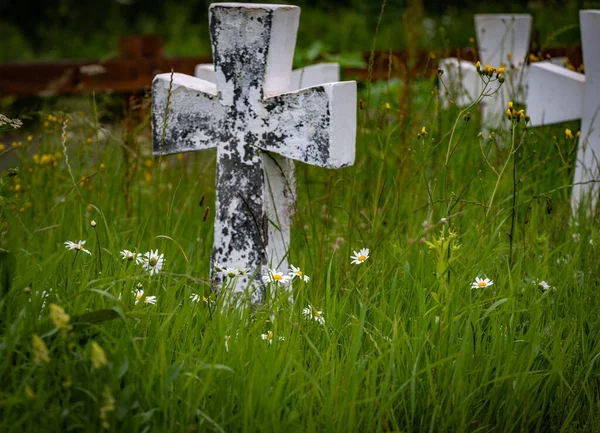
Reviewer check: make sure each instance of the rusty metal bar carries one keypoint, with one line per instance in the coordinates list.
(141, 58)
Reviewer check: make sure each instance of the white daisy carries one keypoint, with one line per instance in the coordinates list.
(151, 261)
(127, 255)
(269, 336)
(139, 296)
(360, 256)
(218, 267)
(544, 285)
(231, 272)
(296, 272)
(195, 297)
(481, 283)
(77, 246)
(275, 277)
(310, 313)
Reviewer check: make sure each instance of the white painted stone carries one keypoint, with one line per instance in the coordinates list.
(497, 35)
(462, 81)
(500, 34)
(258, 128)
(557, 94)
(308, 76)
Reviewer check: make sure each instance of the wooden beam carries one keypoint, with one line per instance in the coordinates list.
(141, 59)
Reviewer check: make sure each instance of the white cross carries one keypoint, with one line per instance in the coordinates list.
(557, 94)
(258, 128)
(497, 36)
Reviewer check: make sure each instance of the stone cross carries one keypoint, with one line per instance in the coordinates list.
(258, 127)
(557, 94)
(499, 37)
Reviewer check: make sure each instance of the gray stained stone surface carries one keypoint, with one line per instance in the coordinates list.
(258, 128)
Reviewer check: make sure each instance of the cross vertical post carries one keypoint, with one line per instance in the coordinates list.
(258, 128)
(501, 39)
(557, 95)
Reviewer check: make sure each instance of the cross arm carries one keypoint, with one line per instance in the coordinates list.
(308, 76)
(186, 114)
(316, 125)
(555, 94)
(314, 75)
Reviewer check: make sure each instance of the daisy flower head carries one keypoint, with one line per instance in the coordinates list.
(311, 313)
(544, 286)
(275, 277)
(77, 246)
(127, 255)
(231, 272)
(243, 271)
(195, 297)
(360, 257)
(269, 337)
(218, 267)
(151, 261)
(297, 273)
(139, 294)
(481, 283)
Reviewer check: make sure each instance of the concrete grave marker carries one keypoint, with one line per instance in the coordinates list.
(497, 36)
(557, 94)
(258, 128)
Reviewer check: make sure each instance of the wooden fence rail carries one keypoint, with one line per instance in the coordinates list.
(142, 57)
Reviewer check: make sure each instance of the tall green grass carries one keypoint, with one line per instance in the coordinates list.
(407, 344)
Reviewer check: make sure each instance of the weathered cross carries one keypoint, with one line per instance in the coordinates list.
(501, 39)
(258, 128)
(557, 94)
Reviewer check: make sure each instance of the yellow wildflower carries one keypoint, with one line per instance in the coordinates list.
(387, 106)
(568, 134)
(60, 318)
(29, 138)
(97, 355)
(40, 350)
(2, 147)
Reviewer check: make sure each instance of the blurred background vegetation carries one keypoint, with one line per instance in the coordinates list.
(69, 29)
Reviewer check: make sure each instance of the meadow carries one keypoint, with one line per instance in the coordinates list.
(475, 309)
